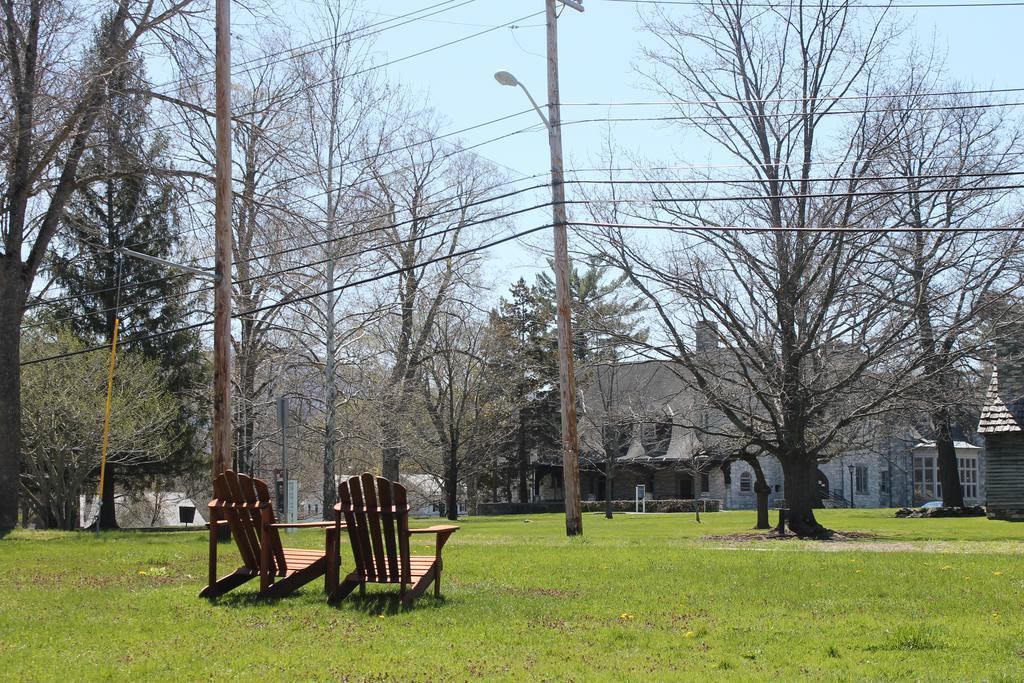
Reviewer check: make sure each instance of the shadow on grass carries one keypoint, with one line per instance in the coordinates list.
(243, 599)
(371, 604)
(389, 603)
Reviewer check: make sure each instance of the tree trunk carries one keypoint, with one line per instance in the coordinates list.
(246, 417)
(451, 487)
(949, 470)
(473, 493)
(108, 515)
(11, 309)
(390, 463)
(801, 480)
(609, 484)
(523, 459)
(762, 489)
(331, 398)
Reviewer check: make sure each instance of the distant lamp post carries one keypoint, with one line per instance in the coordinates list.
(566, 375)
(853, 470)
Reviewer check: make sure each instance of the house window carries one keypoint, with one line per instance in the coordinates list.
(925, 480)
(926, 476)
(969, 476)
(883, 481)
(745, 482)
(705, 483)
(861, 479)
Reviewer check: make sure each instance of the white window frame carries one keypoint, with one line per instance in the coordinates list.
(926, 476)
(968, 467)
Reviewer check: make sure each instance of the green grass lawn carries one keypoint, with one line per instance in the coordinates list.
(637, 598)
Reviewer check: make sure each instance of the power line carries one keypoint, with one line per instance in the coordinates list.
(919, 177)
(365, 219)
(373, 249)
(508, 238)
(351, 36)
(808, 195)
(300, 266)
(782, 100)
(825, 179)
(459, 149)
(786, 164)
(305, 297)
(785, 5)
(708, 181)
(751, 229)
(391, 226)
(316, 84)
(781, 115)
(379, 247)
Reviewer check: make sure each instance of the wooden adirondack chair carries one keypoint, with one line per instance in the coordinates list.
(376, 513)
(243, 504)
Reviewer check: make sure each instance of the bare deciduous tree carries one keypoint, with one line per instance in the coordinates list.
(427, 195)
(50, 101)
(808, 331)
(948, 172)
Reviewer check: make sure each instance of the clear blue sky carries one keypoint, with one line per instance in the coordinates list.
(598, 50)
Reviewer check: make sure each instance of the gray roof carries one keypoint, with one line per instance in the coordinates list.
(996, 416)
(646, 391)
(958, 445)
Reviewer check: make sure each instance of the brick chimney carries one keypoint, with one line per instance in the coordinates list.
(706, 333)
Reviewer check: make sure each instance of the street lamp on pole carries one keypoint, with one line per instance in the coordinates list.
(506, 78)
(567, 376)
(853, 469)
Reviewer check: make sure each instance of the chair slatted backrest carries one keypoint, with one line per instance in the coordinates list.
(377, 515)
(242, 501)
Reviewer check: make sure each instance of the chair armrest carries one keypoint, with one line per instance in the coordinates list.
(303, 525)
(443, 531)
(437, 529)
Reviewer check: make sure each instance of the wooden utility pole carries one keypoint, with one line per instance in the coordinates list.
(566, 373)
(222, 222)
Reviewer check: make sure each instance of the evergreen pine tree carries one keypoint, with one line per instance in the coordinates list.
(121, 202)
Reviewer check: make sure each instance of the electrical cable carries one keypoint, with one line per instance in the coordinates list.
(298, 299)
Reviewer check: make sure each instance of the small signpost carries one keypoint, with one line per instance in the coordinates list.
(641, 498)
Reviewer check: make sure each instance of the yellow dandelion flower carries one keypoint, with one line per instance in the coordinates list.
(689, 634)
(997, 573)
(381, 616)
(945, 567)
(858, 571)
(995, 615)
(142, 573)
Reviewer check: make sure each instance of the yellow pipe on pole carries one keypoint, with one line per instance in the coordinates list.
(106, 419)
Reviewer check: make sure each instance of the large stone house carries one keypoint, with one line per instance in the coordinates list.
(643, 404)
